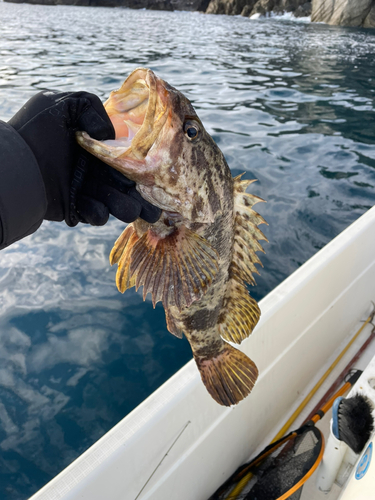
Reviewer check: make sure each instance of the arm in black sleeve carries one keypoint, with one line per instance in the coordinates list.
(23, 201)
(45, 174)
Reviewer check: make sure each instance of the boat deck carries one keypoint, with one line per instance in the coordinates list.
(310, 490)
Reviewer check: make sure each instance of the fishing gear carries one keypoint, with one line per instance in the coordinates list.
(245, 478)
(310, 442)
(351, 426)
(281, 469)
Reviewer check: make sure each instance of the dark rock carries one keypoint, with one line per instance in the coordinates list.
(278, 6)
(303, 10)
(262, 7)
(369, 22)
(282, 6)
(229, 7)
(193, 5)
(246, 11)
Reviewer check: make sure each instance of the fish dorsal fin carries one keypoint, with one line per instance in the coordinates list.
(246, 232)
(240, 313)
(176, 269)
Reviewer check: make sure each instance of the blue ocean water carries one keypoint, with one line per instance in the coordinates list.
(290, 103)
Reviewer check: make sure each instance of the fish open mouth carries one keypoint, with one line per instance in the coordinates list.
(137, 112)
(127, 108)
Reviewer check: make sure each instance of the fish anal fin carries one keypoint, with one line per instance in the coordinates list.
(229, 376)
(176, 269)
(239, 313)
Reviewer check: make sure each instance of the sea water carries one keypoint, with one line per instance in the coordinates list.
(289, 103)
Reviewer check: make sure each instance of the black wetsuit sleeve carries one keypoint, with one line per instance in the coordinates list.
(23, 202)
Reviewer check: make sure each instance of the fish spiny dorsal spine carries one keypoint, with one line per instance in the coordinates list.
(240, 312)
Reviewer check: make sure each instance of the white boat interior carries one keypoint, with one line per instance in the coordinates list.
(181, 445)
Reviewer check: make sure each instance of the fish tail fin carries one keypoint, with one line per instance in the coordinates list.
(228, 376)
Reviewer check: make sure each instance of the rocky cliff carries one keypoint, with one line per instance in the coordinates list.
(250, 7)
(344, 12)
(230, 7)
(194, 5)
(340, 12)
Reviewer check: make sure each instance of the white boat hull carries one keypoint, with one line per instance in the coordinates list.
(304, 321)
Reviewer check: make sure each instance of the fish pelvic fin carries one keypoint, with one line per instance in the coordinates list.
(120, 255)
(239, 313)
(173, 328)
(246, 232)
(228, 376)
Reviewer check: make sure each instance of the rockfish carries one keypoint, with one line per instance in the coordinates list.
(197, 257)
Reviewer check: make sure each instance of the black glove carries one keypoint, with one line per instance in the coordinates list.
(79, 187)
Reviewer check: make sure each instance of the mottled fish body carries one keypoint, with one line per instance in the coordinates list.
(198, 256)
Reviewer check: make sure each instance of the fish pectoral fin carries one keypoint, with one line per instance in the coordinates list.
(176, 269)
(229, 376)
(239, 313)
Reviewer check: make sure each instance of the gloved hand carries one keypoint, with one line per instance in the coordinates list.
(79, 187)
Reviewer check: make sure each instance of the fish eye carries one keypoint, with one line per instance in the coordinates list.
(191, 129)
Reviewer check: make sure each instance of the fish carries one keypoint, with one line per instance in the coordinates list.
(197, 258)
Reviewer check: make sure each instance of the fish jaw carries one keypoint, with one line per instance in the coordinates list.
(172, 170)
(119, 157)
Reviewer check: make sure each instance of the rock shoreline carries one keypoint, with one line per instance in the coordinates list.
(249, 8)
(246, 8)
(170, 5)
(358, 13)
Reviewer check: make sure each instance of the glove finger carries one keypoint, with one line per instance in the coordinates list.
(128, 207)
(92, 211)
(122, 206)
(105, 174)
(149, 212)
(94, 119)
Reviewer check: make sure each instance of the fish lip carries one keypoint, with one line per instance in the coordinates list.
(100, 147)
